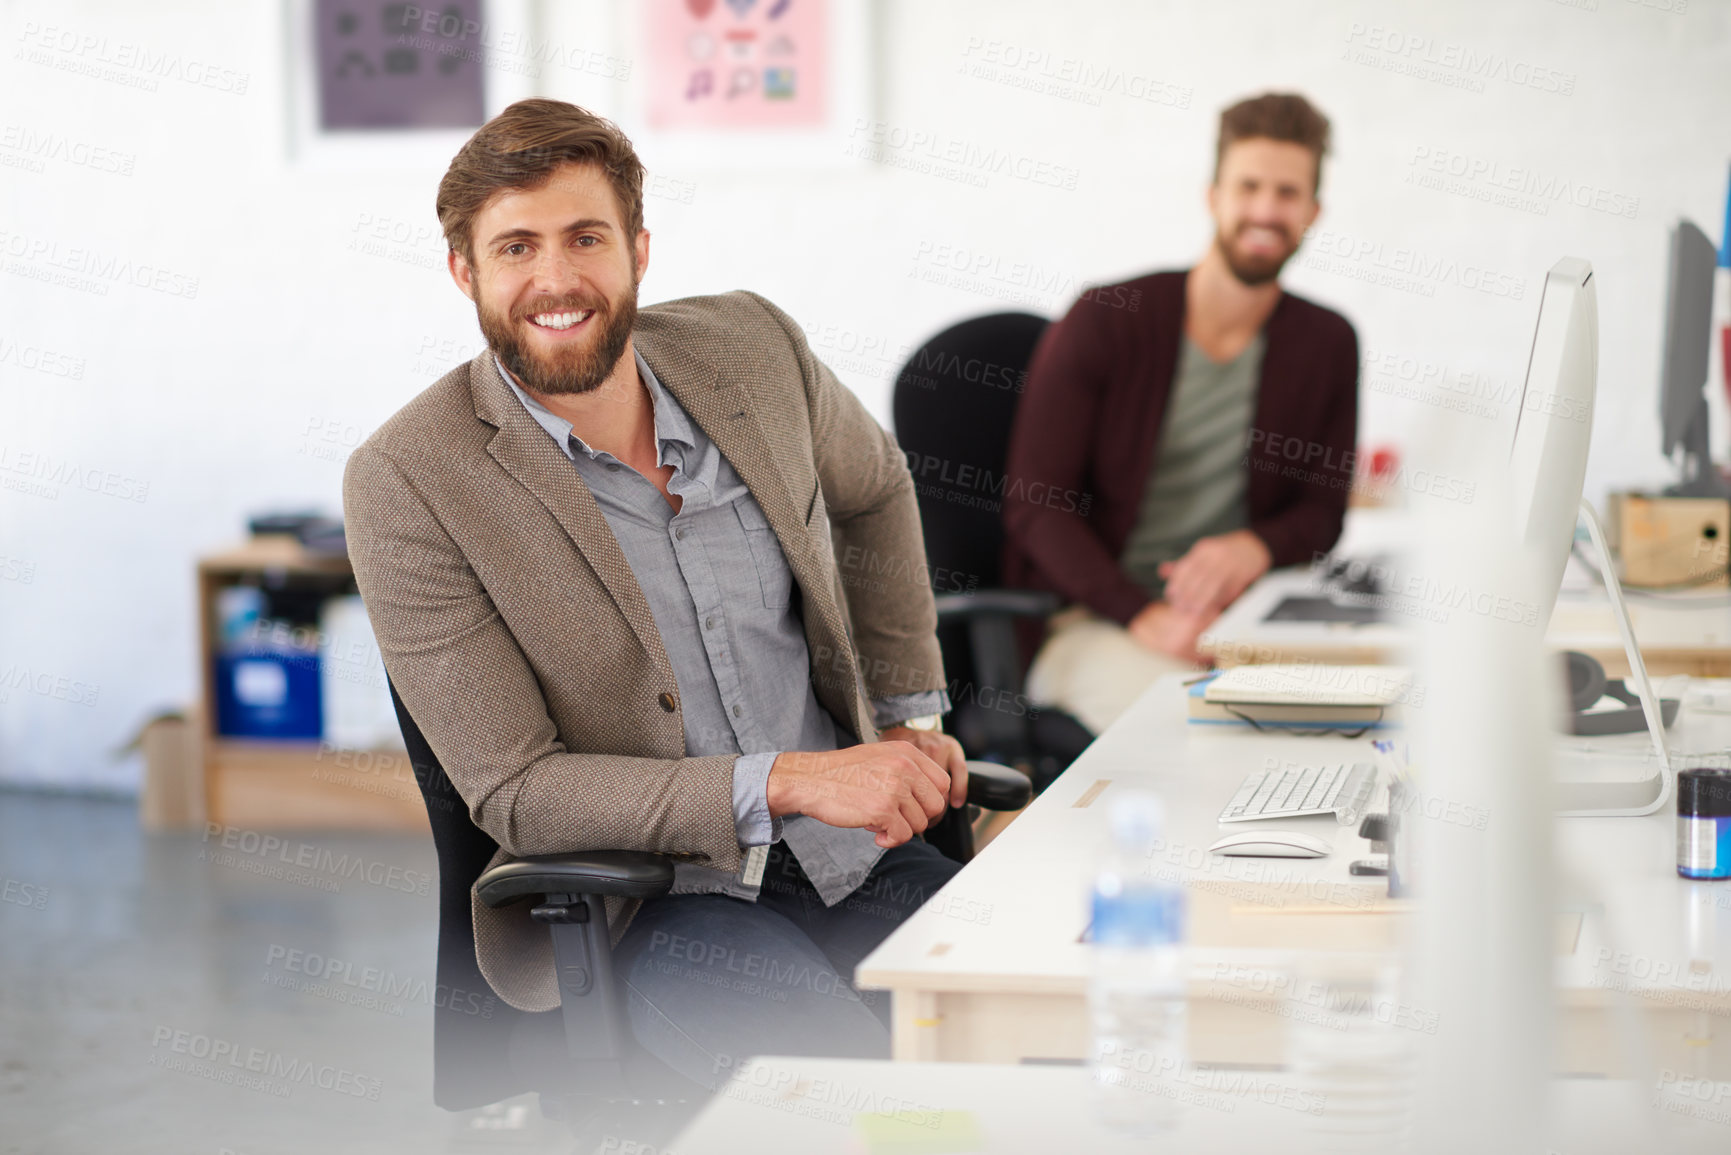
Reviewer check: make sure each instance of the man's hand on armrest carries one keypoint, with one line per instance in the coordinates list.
(891, 788)
(1214, 572)
(940, 748)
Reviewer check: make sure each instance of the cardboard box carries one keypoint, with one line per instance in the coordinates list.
(1674, 542)
(173, 794)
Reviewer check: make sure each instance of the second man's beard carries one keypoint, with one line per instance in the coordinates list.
(1252, 271)
(574, 370)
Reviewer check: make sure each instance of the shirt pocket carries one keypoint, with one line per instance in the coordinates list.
(773, 573)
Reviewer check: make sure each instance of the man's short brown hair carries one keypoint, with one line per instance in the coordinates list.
(1284, 116)
(520, 149)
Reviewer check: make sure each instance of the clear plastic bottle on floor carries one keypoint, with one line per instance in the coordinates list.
(1137, 996)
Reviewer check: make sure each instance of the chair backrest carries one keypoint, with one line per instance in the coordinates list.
(472, 1027)
(954, 403)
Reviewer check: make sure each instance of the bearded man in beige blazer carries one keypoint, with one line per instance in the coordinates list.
(655, 581)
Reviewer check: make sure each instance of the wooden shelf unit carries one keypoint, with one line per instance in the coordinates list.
(255, 783)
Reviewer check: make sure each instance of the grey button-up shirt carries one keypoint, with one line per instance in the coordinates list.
(723, 599)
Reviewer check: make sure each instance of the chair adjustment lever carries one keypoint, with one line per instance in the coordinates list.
(560, 912)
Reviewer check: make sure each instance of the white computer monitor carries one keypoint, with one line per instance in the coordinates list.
(1554, 422)
(1547, 471)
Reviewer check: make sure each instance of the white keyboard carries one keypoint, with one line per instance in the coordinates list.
(1341, 789)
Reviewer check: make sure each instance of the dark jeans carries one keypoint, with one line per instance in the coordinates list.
(712, 980)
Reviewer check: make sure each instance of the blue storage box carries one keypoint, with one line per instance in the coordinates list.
(268, 692)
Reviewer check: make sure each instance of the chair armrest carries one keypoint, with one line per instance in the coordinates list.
(1002, 603)
(614, 873)
(995, 787)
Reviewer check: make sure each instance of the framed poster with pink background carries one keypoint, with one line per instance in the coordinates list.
(751, 82)
(731, 64)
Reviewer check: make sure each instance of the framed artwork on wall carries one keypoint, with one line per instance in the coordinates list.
(698, 84)
(386, 84)
(725, 84)
(731, 65)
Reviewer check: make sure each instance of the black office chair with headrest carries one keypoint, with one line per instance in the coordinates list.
(954, 406)
(582, 1058)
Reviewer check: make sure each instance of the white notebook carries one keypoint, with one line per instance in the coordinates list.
(1311, 684)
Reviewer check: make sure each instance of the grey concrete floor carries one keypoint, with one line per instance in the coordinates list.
(141, 976)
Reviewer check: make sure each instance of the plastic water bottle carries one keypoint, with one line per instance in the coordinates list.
(1137, 997)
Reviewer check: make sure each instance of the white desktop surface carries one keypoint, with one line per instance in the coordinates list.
(1017, 912)
(993, 967)
(1242, 635)
(1685, 632)
(1697, 623)
(808, 1106)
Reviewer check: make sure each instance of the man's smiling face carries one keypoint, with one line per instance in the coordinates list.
(1263, 201)
(554, 279)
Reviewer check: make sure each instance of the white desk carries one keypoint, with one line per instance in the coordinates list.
(993, 968)
(1681, 634)
(1243, 635)
(1685, 633)
(811, 1106)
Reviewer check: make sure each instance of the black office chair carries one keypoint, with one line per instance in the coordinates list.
(954, 404)
(581, 1058)
(487, 1050)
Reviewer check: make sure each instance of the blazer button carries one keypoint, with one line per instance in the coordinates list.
(668, 702)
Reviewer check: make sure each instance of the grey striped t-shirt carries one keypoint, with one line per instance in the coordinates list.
(1196, 486)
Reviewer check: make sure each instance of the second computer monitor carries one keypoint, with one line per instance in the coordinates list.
(1683, 376)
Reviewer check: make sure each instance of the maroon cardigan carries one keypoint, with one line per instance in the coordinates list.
(1089, 421)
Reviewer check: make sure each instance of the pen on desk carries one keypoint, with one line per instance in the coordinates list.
(1394, 759)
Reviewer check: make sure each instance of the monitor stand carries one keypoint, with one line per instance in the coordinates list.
(1605, 788)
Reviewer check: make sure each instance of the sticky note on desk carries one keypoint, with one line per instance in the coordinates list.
(924, 1132)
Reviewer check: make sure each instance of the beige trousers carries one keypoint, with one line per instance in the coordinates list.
(1092, 667)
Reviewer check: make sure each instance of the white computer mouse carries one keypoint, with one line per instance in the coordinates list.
(1272, 844)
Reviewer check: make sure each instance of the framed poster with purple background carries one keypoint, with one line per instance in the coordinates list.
(385, 65)
(384, 84)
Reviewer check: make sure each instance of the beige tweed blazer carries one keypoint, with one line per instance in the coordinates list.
(523, 646)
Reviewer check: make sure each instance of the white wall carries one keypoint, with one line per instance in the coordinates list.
(201, 405)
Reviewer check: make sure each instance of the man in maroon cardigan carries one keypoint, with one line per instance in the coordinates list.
(1183, 432)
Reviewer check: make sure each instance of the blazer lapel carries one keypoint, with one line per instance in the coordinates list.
(723, 411)
(525, 451)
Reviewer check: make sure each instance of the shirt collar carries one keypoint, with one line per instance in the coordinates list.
(671, 423)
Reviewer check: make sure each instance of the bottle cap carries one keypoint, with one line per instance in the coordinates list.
(1138, 820)
(1704, 792)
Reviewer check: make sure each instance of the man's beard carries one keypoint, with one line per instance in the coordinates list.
(1252, 271)
(579, 369)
